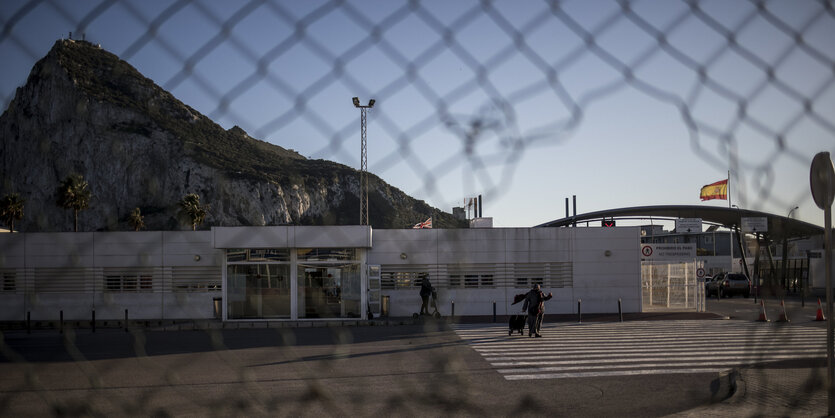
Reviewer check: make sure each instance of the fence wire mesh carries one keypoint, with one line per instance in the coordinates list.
(633, 45)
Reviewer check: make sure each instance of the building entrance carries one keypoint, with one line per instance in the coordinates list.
(258, 291)
(329, 291)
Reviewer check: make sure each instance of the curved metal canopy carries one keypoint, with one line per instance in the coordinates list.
(778, 226)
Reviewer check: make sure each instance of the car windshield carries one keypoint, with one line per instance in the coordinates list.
(737, 277)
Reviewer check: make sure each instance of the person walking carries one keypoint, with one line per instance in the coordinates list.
(425, 291)
(535, 306)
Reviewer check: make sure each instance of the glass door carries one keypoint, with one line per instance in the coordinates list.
(258, 291)
(328, 291)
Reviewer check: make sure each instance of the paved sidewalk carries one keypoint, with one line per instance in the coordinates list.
(768, 392)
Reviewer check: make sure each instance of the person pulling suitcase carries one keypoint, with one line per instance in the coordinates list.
(535, 306)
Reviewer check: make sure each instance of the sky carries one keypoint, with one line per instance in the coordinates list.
(528, 103)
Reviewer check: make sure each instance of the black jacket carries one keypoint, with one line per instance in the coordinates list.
(535, 302)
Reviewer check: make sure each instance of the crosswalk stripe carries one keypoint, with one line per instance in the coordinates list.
(611, 373)
(639, 348)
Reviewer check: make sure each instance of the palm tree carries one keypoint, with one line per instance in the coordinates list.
(136, 220)
(191, 209)
(11, 209)
(74, 193)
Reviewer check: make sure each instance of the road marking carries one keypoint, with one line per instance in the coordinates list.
(640, 347)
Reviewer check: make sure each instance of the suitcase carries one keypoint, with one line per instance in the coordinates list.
(516, 323)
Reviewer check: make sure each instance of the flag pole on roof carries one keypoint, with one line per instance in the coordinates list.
(729, 189)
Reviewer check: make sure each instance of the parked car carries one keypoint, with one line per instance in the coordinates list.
(707, 284)
(728, 284)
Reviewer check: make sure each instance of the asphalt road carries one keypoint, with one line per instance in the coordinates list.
(407, 370)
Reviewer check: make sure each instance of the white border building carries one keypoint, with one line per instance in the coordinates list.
(291, 273)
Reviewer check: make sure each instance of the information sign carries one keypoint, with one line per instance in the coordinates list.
(754, 224)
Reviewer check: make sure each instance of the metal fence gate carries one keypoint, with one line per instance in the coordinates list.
(672, 286)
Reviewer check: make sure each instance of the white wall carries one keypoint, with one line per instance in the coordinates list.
(78, 262)
(347, 236)
(605, 262)
(599, 278)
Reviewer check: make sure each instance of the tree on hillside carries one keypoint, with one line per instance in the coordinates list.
(74, 193)
(11, 209)
(192, 210)
(136, 220)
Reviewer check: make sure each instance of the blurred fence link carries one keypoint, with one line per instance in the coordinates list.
(497, 119)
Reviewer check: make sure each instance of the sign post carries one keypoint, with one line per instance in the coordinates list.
(822, 179)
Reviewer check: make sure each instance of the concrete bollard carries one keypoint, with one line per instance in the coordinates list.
(620, 309)
(453, 308)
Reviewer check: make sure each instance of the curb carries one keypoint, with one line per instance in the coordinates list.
(727, 386)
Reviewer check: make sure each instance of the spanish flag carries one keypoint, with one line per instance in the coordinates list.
(718, 190)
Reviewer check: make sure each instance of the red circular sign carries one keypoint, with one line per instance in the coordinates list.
(646, 251)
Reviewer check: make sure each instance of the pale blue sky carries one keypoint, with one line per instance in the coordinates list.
(586, 98)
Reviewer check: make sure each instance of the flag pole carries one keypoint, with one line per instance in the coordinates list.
(729, 189)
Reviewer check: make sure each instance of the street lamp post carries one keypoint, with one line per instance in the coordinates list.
(363, 160)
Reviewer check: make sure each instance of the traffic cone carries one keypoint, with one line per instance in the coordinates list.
(763, 317)
(819, 316)
(783, 317)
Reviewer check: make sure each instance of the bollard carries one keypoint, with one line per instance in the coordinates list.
(579, 310)
(93, 324)
(620, 310)
(28, 322)
(453, 308)
(126, 320)
(494, 311)
(61, 316)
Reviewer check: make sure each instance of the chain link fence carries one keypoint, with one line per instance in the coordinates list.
(761, 77)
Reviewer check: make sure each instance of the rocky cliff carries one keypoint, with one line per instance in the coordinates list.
(85, 111)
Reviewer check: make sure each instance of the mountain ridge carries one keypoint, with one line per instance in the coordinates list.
(83, 110)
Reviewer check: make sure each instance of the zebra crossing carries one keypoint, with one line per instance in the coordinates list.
(639, 347)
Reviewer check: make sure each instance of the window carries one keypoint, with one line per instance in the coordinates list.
(470, 280)
(146, 283)
(521, 282)
(113, 283)
(455, 280)
(128, 283)
(238, 255)
(327, 254)
(8, 284)
(487, 280)
(399, 279)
